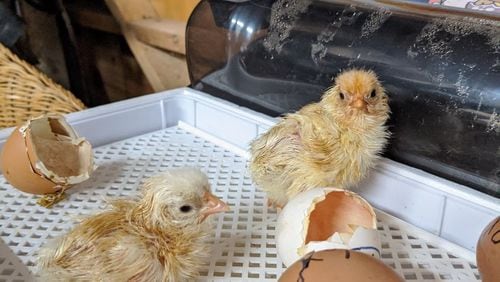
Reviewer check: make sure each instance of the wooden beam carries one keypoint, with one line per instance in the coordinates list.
(131, 10)
(161, 33)
(163, 69)
(172, 67)
(174, 9)
(95, 19)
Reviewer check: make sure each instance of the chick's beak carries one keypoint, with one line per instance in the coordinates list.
(212, 205)
(359, 104)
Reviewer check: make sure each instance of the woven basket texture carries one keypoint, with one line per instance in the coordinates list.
(25, 92)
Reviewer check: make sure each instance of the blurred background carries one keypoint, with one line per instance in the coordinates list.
(105, 51)
(85, 48)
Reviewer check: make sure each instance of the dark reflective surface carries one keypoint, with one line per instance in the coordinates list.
(441, 69)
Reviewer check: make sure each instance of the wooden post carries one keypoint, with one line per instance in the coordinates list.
(158, 44)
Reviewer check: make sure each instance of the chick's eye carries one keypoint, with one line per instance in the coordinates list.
(341, 95)
(373, 94)
(185, 208)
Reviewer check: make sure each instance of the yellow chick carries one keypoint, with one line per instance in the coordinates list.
(159, 237)
(333, 142)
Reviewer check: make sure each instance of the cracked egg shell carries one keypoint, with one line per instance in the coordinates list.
(339, 266)
(326, 218)
(45, 154)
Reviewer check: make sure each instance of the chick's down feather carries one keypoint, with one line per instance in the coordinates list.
(333, 142)
(159, 237)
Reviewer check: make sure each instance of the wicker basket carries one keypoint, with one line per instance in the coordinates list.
(25, 92)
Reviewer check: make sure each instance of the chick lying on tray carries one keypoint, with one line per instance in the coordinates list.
(160, 237)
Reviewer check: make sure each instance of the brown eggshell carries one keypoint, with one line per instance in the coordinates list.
(346, 207)
(339, 266)
(488, 252)
(17, 169)
(326, 218)
(45, 154)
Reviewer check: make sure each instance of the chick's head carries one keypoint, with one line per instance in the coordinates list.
(179, 197)
(357, 92)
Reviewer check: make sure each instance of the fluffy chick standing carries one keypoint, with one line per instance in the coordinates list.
(334, 142)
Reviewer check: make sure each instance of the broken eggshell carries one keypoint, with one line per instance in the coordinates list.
(45, 155)
(326, 218)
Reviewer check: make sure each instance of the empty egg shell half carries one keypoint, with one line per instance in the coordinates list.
(44, 155)
(326, 218)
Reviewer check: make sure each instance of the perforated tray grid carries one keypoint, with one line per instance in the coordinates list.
(244, 245)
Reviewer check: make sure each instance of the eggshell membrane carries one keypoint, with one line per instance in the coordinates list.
(17, 168)
(347, 206)
(339, 266)
(488, 252)
(363, 239)
(45, 142)
(332, 210)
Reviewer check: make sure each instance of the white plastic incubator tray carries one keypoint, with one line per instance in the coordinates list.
(137, 138)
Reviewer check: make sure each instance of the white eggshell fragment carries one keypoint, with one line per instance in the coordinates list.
(326, 218)
(364, 240)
